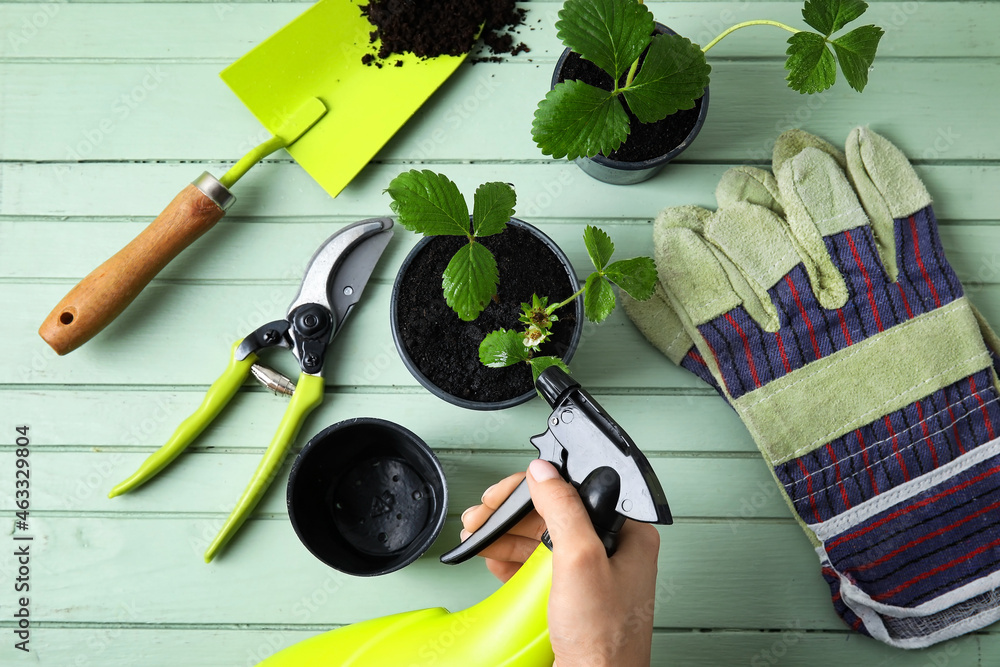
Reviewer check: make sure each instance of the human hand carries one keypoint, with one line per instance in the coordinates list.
(600, 609)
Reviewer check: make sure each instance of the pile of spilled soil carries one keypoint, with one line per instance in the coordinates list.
(446, 349)
(430, 28)
(645, 140)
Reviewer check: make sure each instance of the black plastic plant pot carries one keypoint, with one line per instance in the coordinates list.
(622, 172)
(367, 496)
(479, 387)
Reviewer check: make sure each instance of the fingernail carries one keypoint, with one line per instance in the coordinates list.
(464, 535)
(487, 491)
(467, 510)
(542, 470)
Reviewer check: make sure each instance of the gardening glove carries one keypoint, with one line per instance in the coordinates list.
(655, 317)
(830, 320)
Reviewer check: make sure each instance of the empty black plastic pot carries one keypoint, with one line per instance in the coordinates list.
(367, 496)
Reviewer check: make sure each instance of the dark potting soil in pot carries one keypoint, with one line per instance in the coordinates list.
(430, 28)
(645, 140)
(446, 349)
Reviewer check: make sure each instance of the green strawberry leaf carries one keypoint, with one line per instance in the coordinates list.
(600, 247)
(609, 33)
(599, 299)
(492, 207)
(577, 119)
(829, 16)
(539, 364)
(429, 204)
(856, 52)
(470, 280)
(811, 66)
(503, 347)
(674, 74)
(637, 276)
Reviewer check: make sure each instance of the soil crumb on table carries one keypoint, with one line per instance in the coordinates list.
(429, 28)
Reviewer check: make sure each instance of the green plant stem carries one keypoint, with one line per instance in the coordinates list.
(552, 309)
(628, 79)
(631, 75)
(745, 24)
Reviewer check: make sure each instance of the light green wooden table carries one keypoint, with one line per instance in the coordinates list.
(106, 110)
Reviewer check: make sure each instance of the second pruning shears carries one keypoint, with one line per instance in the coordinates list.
(334, 280)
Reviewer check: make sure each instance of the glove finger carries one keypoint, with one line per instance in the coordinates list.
(889, 190)
(820, 202)
(656, 320)
(791, 143)
(689, 268)
(756, 241)
(707, 288)
(750, 185)
(659, 323)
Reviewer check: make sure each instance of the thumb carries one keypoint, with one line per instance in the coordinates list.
(559, 504)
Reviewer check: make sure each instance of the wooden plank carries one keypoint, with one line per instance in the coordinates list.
(144, 341)
(108, 422)
(763, 575)
(140, 111)
(114, 645)
(225, 31)
(149, 342)
(550, 189)
(729, 489)
(276, 251)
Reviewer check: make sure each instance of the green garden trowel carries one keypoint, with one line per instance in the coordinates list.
(319, 55)
(307, 85)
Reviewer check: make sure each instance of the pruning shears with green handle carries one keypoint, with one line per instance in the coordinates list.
(334, 280)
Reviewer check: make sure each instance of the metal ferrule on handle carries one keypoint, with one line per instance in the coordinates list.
(213, 188)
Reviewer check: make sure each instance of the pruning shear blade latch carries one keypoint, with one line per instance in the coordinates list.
(333, 282)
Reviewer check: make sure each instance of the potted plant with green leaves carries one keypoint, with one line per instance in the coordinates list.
(629, 94)
(467, 277)
(466, 309)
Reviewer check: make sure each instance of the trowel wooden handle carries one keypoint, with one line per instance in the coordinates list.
(110, 288)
